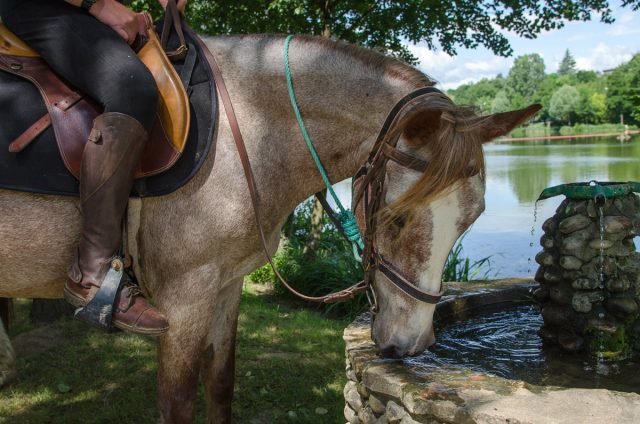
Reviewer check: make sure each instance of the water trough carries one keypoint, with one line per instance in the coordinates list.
(460, 387)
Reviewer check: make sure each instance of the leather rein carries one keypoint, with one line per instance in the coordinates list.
(372, 175)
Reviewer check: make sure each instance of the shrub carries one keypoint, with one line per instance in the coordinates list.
(332, 266)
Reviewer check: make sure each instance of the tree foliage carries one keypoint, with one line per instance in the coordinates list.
(601, 98)
(388, 25)
(623, 96)
(500, 103)
(564, 103)
(567, 65)
(525, 76)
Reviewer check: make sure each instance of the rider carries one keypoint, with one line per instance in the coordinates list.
(86, 42)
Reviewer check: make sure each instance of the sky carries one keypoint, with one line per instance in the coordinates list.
(595, 46)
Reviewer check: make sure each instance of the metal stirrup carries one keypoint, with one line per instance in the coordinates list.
(99, 310)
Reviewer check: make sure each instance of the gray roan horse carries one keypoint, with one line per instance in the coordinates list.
(193, 247)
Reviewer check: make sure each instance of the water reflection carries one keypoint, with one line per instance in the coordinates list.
(516, 174)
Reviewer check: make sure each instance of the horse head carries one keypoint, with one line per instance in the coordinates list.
(422, 211)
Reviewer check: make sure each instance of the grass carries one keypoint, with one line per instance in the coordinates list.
(459, 268)
(290, 368)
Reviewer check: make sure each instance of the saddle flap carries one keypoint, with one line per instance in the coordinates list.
(11, 44)
(173, 110)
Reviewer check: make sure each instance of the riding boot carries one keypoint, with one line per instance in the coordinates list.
(106, 178)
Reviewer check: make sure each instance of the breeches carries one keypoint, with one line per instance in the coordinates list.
(87, 54)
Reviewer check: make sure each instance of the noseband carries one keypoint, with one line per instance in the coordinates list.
(370, 179)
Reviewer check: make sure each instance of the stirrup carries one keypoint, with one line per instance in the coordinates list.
(99, 310)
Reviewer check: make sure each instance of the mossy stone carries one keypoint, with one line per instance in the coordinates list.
(610, 345)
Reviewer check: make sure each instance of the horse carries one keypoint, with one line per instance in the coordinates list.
(192, 247)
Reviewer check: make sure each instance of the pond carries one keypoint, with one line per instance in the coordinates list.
(516, 174)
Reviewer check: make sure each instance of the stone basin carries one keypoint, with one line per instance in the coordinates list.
(381, 390)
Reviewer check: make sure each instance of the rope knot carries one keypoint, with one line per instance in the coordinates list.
(350, 227)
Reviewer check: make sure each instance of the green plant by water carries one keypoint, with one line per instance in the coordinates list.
(459, 268)
(331, 266)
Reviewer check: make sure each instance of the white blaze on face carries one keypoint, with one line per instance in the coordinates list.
(404, 326)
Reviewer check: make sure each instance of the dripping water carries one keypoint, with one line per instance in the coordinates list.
(601, 271)
(531, 239)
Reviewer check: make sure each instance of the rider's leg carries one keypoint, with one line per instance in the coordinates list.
(95, 59)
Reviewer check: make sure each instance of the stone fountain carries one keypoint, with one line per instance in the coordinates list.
(589, 271)
(588, 290)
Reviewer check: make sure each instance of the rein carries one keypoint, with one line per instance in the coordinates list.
(371, 175)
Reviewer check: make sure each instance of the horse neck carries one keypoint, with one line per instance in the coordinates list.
(343, 102)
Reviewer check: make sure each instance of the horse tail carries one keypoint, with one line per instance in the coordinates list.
(6, 311)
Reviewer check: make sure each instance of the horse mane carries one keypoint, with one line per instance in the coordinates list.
(455, 154)
(371, 59)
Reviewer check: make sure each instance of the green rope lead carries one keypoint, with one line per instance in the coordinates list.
(346, 217)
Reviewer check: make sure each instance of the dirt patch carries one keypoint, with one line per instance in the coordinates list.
(36, 342)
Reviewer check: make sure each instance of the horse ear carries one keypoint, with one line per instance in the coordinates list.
(421, 125)
(499, 124)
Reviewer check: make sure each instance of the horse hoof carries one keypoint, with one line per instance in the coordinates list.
(6, 377)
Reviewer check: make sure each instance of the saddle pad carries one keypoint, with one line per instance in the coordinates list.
(40, 169)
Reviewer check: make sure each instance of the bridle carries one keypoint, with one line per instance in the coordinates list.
(369, 189)
(369, 179)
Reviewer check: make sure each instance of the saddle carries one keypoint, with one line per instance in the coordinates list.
(70, 113)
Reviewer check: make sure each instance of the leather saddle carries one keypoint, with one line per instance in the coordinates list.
(46, 122)
(71, 114)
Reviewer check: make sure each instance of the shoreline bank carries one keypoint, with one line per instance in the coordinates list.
(558, 137)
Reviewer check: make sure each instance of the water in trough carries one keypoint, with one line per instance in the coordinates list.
(505, 343)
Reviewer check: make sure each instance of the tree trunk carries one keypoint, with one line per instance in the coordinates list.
(315, 230)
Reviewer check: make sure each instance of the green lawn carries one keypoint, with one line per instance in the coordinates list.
(290, 368)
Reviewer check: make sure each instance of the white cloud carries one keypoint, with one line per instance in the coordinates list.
(626, 17)
(605, 56)
(452, 71)
(429, 59)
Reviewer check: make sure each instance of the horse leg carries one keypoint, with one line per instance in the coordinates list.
(7, 358)
(179, 354)
(218, 361)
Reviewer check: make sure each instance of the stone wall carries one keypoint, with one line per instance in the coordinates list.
(382, 391)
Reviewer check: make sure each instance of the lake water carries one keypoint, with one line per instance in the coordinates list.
(516, 174)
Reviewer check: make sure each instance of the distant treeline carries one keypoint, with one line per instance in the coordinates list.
(568, 96)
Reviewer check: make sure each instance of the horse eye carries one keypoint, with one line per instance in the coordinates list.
(399, 221)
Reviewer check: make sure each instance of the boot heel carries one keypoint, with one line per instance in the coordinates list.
(73, 299)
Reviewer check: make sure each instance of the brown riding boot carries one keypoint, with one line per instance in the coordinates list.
(106, 178)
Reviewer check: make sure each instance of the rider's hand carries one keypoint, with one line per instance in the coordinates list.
(181, 4)
(121, 19)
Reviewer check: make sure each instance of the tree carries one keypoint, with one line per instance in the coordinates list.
(525, 76)
(564, 103)
(389, 25)
(567, 65)
(599, 106)
(500, 103)
(623, 99)
(479, 94)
